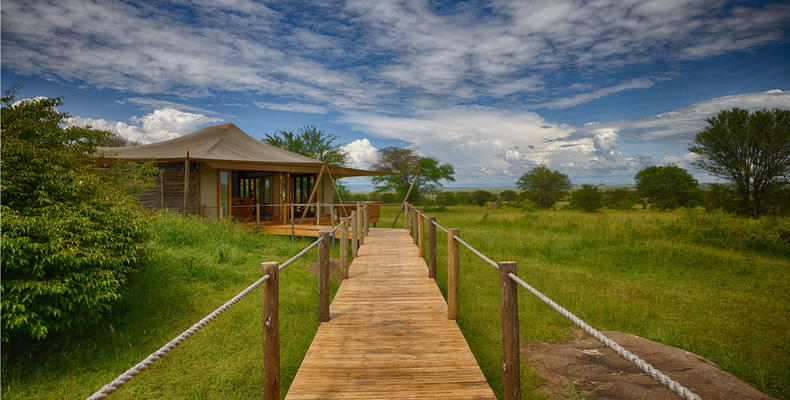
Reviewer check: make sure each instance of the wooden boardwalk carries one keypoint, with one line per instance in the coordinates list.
(389, 336)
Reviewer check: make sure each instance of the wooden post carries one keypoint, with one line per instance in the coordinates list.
(360, 227)
(431, 248)
(186, 184)
(421, 233)
(203, 211)
(292, 222)
(354, 233)
(508, 295)
(323, 276)
(344, 247)
(415, 225)
(161, 189)
(452, 274)
(258, 215)
(332, 224)
(271, 332)
(405, 217)
(312, 193)
(367, 218)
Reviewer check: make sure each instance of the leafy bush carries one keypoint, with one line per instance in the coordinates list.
(588, 198)
(667, 187)
(508, 195)
(481, 197)
(70, 232)
(765, 234)
(620, 199)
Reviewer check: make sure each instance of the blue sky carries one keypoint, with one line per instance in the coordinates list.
(595, 89)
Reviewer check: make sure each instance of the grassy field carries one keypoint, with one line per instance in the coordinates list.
(194, 267)
(646, 273)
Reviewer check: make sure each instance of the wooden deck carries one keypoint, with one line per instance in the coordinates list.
(389, 336)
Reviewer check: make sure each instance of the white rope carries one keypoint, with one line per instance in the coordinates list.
(479, 254)
(130, 373)
(439, 226)
(301, 253)
(681, 390)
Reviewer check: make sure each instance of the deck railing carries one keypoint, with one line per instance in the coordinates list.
(509, 281)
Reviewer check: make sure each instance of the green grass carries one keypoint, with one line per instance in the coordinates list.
(194, 267)
(640, 272)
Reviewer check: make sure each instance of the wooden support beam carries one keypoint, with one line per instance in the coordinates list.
(271, 331)
(161, 189)
(431, 248)
(508, 295)
(354, 236)
(323, 276)
(359, 224)
(312, 193)
(452, 274)
(186, 185)
(421, 233)
(406, 198)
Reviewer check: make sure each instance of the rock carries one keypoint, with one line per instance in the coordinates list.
(595, 371)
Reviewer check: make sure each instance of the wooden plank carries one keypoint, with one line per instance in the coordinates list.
(388, 336)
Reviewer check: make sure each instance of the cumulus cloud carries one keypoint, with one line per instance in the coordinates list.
(163, 124)
(361, 153)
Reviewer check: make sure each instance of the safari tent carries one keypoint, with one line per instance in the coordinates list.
(221, 172)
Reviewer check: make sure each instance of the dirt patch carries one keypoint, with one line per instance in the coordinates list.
(335, 270)
(597, 372)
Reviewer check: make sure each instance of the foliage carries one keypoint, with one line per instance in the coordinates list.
(404, 164)
(544, 186)
(445, 198)
(70, 232)
(310, 142)
(588, 198)
(508, 195)
(667, 187)
(719, 197)
(481, 197)
(620, 199)
(752, 150)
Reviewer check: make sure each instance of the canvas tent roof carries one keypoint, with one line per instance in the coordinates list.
(227, 146)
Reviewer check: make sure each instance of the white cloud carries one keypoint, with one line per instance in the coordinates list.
(156, 126)
(362, 153)
(565, 102)
(293, 107)
(683, 123)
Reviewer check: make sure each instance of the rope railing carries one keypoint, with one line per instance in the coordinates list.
(512, 390)
(323, 256)
(130, 373)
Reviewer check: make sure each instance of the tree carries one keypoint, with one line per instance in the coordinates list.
(588, 198)
(667, 187)
(445, 198)
(481, 197)
(752, 150)
(310, 142)
(508, 195)
(70, 231)
(620, 199)
(544, 186)
(403, 163)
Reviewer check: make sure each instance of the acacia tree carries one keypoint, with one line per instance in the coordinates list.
(544, 186)
(752, 150)
(310, 142)
(403, 164)
(666, 186)
(588, 198)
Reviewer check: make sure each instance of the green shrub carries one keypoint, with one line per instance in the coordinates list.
(765, 234)
(70, 232)
(620, 199)
(481, 197)
(588, 198)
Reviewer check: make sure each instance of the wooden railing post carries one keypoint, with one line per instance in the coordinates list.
(344, 247)
(258, 215)
(354, 236)
(452, 274)
(360, 227)
(508, 295)
(421, 233)
(367, 219)
(431, 248)
(323, 276)
(406, 216)
(271, 332)
(415, 224)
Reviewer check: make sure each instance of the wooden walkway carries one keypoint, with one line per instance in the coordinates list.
(389, 336)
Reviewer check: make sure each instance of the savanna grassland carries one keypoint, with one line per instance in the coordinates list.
(193, 267)
(712, 284)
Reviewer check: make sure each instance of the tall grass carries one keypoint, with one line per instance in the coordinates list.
(669, 277)
(194, 267)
